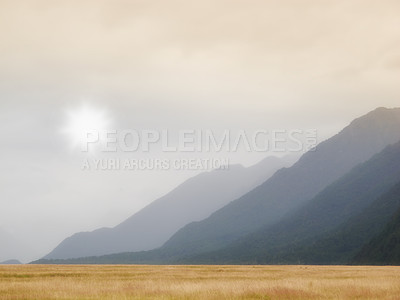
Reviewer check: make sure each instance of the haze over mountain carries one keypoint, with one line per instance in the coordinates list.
(10, 262)
(353, 204)
(292, 187)
(11, 248)
(193, 200)
(288, 190)
(170, 65)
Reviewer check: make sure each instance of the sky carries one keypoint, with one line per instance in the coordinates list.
(204, 65)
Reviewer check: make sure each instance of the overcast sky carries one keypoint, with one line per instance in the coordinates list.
(174, 65)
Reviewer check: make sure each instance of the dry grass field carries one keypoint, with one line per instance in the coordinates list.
(198, 282)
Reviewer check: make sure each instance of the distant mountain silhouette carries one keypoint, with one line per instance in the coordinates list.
(10, 247)
(193, 200)
(286, 192)
(290, 188)
(330, 228)
(10, 262)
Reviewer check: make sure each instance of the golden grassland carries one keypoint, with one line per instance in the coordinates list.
(198, 282)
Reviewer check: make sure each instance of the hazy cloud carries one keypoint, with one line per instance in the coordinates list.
(172, 64)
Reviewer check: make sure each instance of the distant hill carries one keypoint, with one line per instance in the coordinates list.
(10, 247)
(11, 262)
(283, 194)
(384, 249)
(330, 228)
(193, 200)
(290, 188)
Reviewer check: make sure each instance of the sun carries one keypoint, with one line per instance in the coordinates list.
(83, 120)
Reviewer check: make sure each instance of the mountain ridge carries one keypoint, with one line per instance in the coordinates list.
(355, 144)
(193, 200)
(304, 235)
(289, 188)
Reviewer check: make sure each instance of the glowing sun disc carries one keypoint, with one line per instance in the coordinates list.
(83, 120)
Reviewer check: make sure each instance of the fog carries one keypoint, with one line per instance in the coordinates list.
(176, 65)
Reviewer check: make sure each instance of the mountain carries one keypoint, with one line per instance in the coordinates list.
(285, 192)
(340, 245)
(330, 228)
(193, 200)
(384, 249)
(10, 247)
(10, 262)
(290, 188)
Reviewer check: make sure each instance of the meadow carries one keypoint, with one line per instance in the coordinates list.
(198, 282)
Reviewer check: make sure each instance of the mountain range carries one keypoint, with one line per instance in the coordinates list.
(193, 200)
(320, 210)
(290, 188)
(331, 227)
